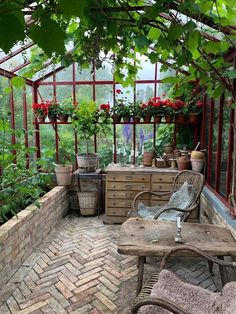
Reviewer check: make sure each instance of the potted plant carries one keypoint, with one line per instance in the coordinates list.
(136, 112)
(146, 112)
(194, 108)
(122, 108)
(53, 107)
(40, 111)
(63, 170)
(65, 110)
(88, 121)
(156, 108)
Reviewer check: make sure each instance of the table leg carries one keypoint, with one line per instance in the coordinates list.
(223, 272)
(140, 266)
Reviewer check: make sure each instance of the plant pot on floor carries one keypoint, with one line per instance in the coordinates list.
(63, 174)
(87, 162)
(88, 203)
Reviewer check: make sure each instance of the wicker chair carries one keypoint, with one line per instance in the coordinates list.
(195, 179)
(165, 291)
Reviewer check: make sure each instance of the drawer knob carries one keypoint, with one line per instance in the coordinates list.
(160, 179)
(113, 204)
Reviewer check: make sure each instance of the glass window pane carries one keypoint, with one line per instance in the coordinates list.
(144, 92)
(104, 94)
(46, 92)
(127, 92)
(224, 150)
(147, 71)
(214, 143)
(83, 74)
(84, 92)
(105, 73)
(64, 75)
(63, 91)
(162, 74)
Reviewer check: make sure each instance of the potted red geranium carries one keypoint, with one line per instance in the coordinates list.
(40, 111)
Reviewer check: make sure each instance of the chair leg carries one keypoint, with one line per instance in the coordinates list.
(210, 265)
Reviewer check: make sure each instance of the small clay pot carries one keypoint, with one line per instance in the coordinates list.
(168, 148)
(136, 119)
(126, 119)
(116, 118)
(180, 118)
(157, 119)
(148, 158)
(169, 119)
(147, 119)
(183, 163)
(197, 164)
(193, 118)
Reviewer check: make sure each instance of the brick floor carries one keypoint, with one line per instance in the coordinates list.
(77, 270)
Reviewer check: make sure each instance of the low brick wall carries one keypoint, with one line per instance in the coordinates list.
(21, 234)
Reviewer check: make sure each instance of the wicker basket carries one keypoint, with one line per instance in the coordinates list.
(161, 163)
(87, 203)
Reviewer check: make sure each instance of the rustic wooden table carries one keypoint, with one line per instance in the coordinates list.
(141, 237)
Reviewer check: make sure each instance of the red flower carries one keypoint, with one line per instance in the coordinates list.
(199, 103)
(118, 91)
(105, 107)
(144, 105)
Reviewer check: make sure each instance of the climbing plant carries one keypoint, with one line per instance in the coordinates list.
(192, 35)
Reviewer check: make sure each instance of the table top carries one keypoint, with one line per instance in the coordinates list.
(142, 237)
(138, 169)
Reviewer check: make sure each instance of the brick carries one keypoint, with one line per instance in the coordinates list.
(37, 299)
(108, 303)
(64, 290)
(33, 308)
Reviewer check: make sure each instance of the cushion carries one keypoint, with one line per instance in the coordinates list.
(180, 199)
(193, 299)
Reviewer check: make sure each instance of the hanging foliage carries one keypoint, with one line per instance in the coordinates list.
(193, 34)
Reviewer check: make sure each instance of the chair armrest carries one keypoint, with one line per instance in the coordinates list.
(164, 303)
(198, 252)
(147, 192)
(189, 209)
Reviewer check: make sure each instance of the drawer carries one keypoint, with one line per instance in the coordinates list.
(128, 177)
(161, 187)
(122, 203)
(125, 186)
(117, 211)
(166, 178)
(125, 194)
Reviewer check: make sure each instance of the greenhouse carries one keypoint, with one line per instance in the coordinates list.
(117, 156)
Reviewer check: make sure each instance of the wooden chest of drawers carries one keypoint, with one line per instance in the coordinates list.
(123, 183)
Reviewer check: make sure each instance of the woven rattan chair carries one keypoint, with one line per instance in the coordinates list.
(194, 179)
(165, 291)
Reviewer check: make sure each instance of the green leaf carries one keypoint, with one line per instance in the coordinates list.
(154, 57)
(72, 7)
(190, 26)
(141, 42)
(194, 41)
(164, 43)
(174, 32)
(17, 82)
(7, 90)
(11, 25)
(49, 36)
(154, 33)
(233, 106)
(170, 79)
(230, 74)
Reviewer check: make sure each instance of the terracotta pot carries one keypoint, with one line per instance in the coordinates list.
(193, 118)
(116, 118)
(180, 118)
(63, 174)
(52, 118)
(63, 118)
(147, 119)
(136, 119)
(41, 119)
(126, 119)
(147, 158)
(169, 119)
(183, 163)
(168, 148)
(197, 164)
(157, 119)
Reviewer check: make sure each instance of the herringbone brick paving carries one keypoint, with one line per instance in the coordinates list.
(77, 270)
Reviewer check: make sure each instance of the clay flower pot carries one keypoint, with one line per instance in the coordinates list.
(116, 118)
(136, 119)
(41, 119)
(157, 119)
(147, 158)
(147, 119)
(180, 118)
(183, 163)
(193, 118)
(169, 119)
(197, 164)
